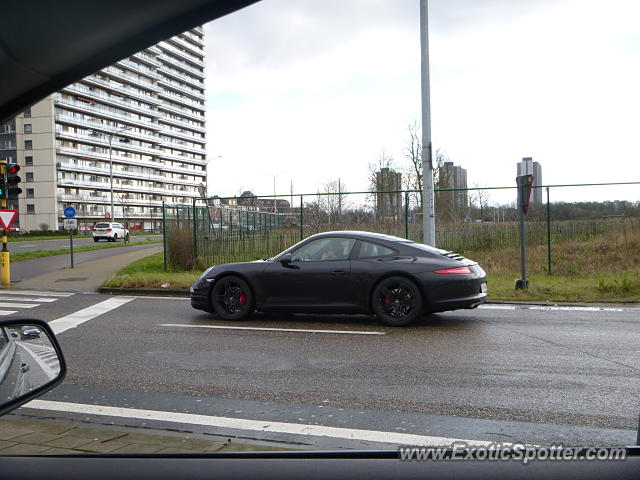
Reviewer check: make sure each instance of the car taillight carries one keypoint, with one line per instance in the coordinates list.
(455, 271)
(108, 229)
(93, 229)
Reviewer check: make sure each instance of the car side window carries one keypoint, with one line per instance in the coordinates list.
(369, 250)
(324, 249)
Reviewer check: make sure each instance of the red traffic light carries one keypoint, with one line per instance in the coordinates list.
(13, 169)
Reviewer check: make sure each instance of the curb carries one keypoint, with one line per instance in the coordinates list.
(161, 292)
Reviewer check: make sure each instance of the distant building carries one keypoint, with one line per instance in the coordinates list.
(389, 205)
(247, 198)
(454, 176)
(527, 166)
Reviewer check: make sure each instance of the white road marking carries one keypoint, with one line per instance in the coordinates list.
(44, 300)
(265, 426)
(18, 305)
(7, 312)
(556, 307)
(301, 330)
(63, 324)
(161, 298)
(30, 245)
(33, 292)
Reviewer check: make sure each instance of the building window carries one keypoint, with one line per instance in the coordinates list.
(31, 208)
(29, 177)
(30, 193)
(28, 145)
(27, 128)
(28, 161)
(27, 112)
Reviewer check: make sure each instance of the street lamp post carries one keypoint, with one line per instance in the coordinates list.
(112, 213)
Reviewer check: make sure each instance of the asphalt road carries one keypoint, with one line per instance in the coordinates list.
(63, 242)
(495, 373)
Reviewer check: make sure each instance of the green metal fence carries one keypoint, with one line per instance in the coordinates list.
(222, 230)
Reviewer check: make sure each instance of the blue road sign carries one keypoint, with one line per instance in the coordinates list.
(69, 212)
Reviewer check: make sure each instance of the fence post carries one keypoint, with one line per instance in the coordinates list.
(301, 219)
(406, 215)
(164, 236)
(195, 231)
(548, 233)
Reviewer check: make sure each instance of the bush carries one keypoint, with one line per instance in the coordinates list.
(180, 248)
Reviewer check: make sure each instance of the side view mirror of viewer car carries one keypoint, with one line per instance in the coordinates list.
(31, 362)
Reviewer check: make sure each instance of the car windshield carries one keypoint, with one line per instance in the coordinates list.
(334, 132)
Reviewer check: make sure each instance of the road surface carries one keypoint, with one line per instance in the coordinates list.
(498, 373)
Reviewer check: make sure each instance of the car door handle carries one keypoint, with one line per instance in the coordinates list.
(338, 273)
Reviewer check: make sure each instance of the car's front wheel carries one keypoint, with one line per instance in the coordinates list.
(396, 301)
(231, 298)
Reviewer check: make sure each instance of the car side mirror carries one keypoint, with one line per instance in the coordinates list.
(31, 362)
(285, 260)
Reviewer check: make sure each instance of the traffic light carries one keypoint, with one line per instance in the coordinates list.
(12, 181)
(525, 184)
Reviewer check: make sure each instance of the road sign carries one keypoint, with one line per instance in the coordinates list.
(70, 223)
(69, 212)
(7, 216)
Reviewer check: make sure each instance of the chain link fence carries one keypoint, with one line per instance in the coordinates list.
(481, 223)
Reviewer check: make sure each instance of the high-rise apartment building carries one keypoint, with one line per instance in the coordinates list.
(139, 122)
(389, 205)
(454, 176)
(527, 166)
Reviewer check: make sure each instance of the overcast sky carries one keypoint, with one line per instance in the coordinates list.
(313, 90)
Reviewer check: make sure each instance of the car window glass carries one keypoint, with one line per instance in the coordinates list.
(324, 249)
(368, 249)
(101, 225)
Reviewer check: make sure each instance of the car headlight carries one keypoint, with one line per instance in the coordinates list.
(206, 272)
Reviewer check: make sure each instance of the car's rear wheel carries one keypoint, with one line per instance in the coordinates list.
(96, 239)
(231, 298)
(396, 301)
(115, 237)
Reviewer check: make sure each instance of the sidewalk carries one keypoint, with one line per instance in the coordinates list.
(86, 276)
(29, 435)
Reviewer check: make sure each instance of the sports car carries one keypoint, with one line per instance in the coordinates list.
(345, 272)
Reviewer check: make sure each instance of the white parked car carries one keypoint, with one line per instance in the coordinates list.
(109, 231)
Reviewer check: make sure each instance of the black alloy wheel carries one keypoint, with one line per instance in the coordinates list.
(231, 298)
(397, 301)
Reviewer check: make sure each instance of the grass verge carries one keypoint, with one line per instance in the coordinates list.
(18, 256)
(148, 272)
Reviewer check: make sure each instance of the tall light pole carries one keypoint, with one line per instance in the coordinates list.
(112, 213)
(428, 203)
(274, 176)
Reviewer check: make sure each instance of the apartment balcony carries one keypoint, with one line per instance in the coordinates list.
(131, 92)
(182, 99)
(182, 124)
(181, 42)
(193, 37)
(186, 90)
(176, 62)
(104, 141)
(181, 111)
(119, 187)
(181, 54)
(183, 77)
(139, 68)
(146, 58)
(103, 170)
(177, 144)
(183, 158)
(107, 129)
(186, 136)
(114, 100)
(106, 200)
(126, 77)
(158, 165)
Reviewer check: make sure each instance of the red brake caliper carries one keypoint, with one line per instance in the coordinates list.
(243, 298)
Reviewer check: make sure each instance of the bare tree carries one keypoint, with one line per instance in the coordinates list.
(383, 161)
(480, 199)
(334, 203)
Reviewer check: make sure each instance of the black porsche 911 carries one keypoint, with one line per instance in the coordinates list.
(345, 272)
